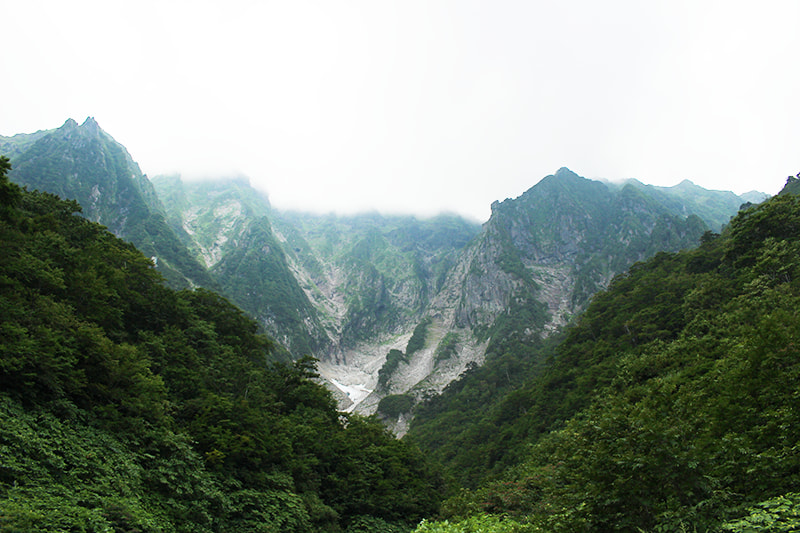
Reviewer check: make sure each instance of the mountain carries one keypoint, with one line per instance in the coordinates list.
(370, 281)
(534, 268)
(86, 164)
(560, 242)
(226, 223)
(346, 289)
(715, 207)
(212, 215)
(668, 405)
(392, 306)
(792, 185)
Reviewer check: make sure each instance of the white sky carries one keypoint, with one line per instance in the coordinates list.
(418, 106)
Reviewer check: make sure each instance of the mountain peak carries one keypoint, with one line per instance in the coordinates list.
(69, 124)
(564, 172)
(686, 184)
(91, 126)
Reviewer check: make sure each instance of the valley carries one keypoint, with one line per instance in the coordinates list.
(182, 356)
(348, 289)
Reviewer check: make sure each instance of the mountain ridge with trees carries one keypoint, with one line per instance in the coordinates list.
(669, 405)
(349, 290)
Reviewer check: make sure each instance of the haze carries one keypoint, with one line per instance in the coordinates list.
(418, 106)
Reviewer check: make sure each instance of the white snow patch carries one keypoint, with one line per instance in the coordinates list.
(356, 393)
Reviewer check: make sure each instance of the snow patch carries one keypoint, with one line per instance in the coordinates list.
(356, 393)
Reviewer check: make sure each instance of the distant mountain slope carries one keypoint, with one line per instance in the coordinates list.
(212, 215)
(226, 223)
(792, 185)
(85, 164)
(715, 207)
(558, 244)
(386, 268)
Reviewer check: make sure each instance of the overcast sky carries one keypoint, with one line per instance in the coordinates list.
(418, 106)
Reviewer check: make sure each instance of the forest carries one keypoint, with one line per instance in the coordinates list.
(670, 404)
(128, 406)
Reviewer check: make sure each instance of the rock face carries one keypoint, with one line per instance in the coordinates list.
(532, 266)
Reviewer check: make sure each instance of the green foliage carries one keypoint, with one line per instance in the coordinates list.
(394, 405)
(447, 347)
(778, 514)
(393, 360)
(481, 523)
(370, 524)
(465, 428)
(417, 340)
(9, 194)
(128, 406)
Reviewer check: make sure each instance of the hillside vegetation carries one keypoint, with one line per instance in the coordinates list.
(128, 406)
(85, 164)
(671, 405)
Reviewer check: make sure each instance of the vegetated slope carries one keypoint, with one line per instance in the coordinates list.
(536, 264)
(670, 405)
(543, 255)
(85, 164)
(256, 276)
(213, 214)
(227, 224)
(128, 406)
(715, 207)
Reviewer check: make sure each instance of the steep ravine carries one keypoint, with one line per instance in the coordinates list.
(368, 280)
(541, 255)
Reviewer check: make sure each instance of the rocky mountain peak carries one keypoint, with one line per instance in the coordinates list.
(90, 127)
(564, 172)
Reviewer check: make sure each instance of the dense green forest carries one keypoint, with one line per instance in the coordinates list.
(128, 406)
(672, 404)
